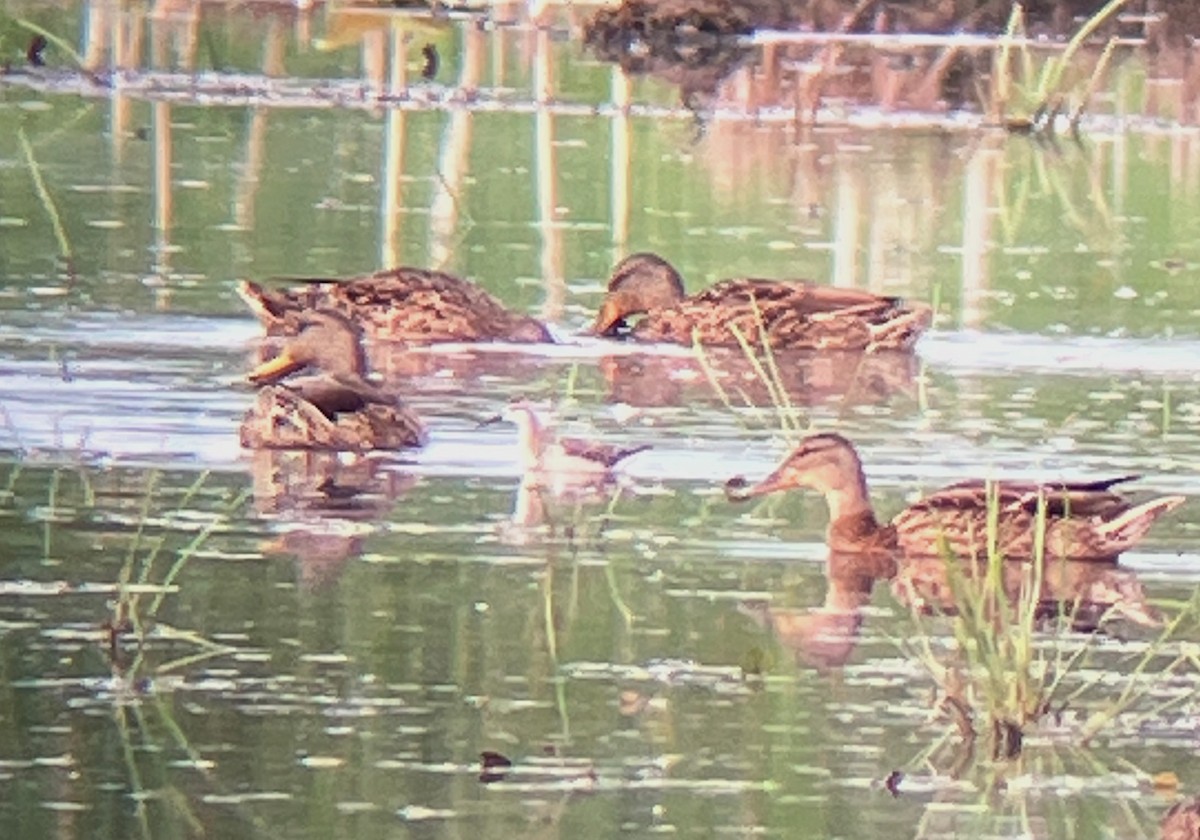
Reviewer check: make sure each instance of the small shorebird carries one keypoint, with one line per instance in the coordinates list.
(786, 314)
(1083, 521)
(333, 408)
(413, 305)
(560, 462)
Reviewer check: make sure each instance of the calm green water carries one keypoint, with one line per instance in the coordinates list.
(328, 669)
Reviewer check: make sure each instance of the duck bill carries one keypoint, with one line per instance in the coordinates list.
(275, 369)
(606, 320)
(737, 489)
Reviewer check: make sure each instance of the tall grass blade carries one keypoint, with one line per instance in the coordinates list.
(39, 184)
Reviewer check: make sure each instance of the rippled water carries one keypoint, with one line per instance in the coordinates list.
(324, 662)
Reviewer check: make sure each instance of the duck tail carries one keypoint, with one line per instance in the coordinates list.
(902, 332)
(1131, 525)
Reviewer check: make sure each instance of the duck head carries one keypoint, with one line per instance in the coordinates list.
(825, 463)
(640, 283)
(326, 340)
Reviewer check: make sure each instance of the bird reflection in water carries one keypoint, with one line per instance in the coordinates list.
(722, 375)
(565, 469)
(323, 505)
(1087, 593)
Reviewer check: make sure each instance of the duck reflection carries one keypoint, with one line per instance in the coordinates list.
(804, 378)
(324, 504)
(825, 637)
(1087, 592)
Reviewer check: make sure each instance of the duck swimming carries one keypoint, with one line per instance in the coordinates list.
(1083, 521)
(334, 407)
(786, 314)
(401, 304)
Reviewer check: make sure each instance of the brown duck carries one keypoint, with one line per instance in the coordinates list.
(401, 304)
(1182, 821)
(331, 408)
(786, 314)
(1083, 521)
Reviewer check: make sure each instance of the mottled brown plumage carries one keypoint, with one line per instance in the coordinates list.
(401, 304)
(1182, 821)
(1083, 521)
(333, 408)
(786, 314)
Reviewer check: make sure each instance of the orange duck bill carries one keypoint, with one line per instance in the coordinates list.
(275, 369)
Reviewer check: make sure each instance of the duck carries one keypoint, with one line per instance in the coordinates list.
(550, 460)
(1182, 821)
(784, 314)
(334, 407)
(412, 305)
(1083, 520)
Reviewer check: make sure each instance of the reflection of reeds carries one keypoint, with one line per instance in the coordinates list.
(1007, 670)
(127, 610)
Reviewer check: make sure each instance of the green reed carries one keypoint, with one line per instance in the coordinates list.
(1006, 670)
(1043, 96)
(47, 200)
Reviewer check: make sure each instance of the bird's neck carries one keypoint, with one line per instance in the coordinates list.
(852, 523)
(848, 498)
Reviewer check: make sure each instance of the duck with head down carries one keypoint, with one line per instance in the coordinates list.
(334, 406)
(412, 305)
(1082, 521)
(784, 314)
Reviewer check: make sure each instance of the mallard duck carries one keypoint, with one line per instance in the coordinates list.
(547, 458)
(401, 304)
(1084, 521)
(792, 314)
(333, 408)
(1182, 821)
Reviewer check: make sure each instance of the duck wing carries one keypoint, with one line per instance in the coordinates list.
(789, 314)
(1083, 520)
(401, 304)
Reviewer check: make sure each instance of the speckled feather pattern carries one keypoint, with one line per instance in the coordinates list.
(792, 314)
(281, 419)
(1182, 821)
(1083, 521)
(403, 304)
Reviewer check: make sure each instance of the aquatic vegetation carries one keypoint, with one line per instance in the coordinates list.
(1011, 664)
(1043, 97)
(46, 199)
